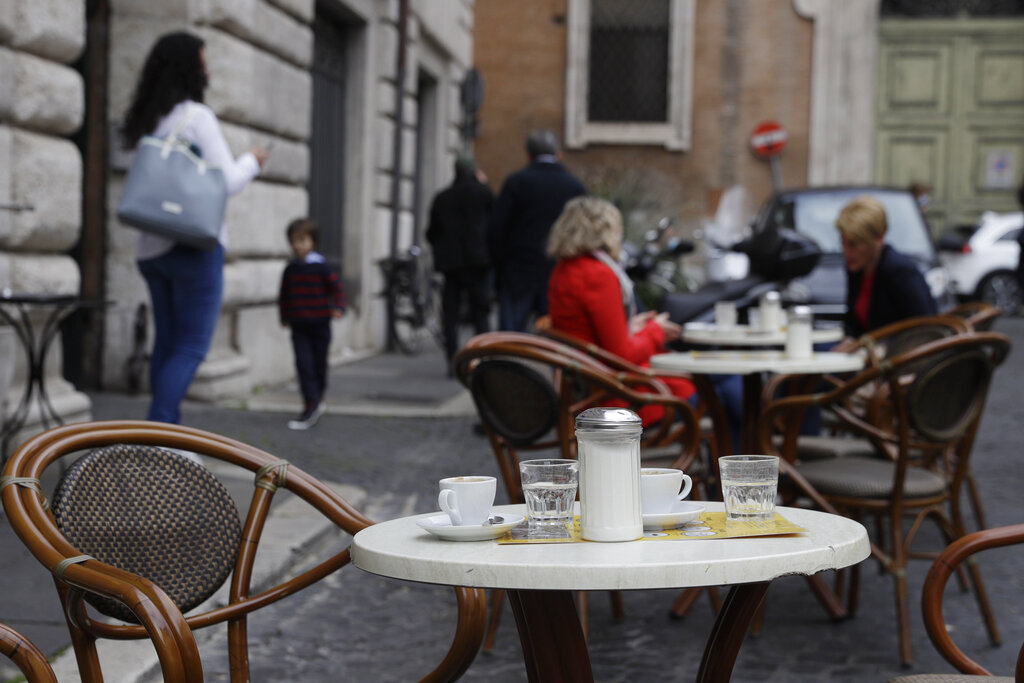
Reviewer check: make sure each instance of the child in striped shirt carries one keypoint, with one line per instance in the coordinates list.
(311, 295)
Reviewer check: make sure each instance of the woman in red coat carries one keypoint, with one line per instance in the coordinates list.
(590, 296)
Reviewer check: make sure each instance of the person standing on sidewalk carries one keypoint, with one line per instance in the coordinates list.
(530, 201)
(457, 233)
(185, 283)
(311, 295)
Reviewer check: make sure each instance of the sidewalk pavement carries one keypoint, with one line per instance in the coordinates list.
(396, 424)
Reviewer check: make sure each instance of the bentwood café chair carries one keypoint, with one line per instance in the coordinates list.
(143, 535)
(931, 605)
(26, 656)
(937, 393)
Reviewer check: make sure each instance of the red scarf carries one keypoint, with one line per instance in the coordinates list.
(862, 307)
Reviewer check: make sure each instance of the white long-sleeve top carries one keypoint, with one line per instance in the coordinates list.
(203, 130)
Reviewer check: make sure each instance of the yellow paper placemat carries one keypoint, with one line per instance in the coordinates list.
(708, 525)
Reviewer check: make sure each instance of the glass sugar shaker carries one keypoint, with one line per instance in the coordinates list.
(609, 477)
(771, 311)
(798, 333)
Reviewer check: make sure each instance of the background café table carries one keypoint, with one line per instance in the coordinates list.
(540, 578)
(709, 334)
(750, 364)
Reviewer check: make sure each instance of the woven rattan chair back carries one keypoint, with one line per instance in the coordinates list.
(514, 399)
(143, 534)
(153, 513)
(26, 656)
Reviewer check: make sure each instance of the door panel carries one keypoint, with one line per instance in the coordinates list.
(950, 113)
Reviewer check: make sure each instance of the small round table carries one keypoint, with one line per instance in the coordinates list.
(540, 578)
(15, 310)
(750, 364)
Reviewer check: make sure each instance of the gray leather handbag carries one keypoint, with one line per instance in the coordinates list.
(170, 191)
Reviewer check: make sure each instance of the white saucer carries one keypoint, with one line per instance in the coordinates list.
(441, 526)
(682, 512)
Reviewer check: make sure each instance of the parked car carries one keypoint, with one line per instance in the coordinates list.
(982, 259)
(812, 212)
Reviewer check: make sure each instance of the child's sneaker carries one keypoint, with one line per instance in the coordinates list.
(308, 418)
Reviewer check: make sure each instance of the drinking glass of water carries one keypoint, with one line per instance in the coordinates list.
(749, 485)
(549, 487)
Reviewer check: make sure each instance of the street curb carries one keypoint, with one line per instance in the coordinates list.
(292, 530)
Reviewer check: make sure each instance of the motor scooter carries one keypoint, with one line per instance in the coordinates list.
(776, 257)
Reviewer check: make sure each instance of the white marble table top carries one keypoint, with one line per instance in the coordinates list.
(747, 362)
(745, 335)
(401, 550)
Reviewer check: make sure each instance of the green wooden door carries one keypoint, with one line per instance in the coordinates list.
(950, 113)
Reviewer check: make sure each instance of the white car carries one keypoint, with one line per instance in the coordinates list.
(983, 259)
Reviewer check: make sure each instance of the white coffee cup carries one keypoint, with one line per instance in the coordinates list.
(725, 314)
(467, 500)
(659, 489)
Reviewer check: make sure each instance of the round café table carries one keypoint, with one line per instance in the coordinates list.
(16, 311)
(540, 578)
(709, 334)
(751, 365)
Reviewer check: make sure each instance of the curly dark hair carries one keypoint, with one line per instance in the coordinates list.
(173, 72)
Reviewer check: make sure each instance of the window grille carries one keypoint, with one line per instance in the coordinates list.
(628, 61)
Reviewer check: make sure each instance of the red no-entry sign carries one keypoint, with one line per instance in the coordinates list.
(768, 139)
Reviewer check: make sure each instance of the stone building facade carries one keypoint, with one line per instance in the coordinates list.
(313, 79)
(807, 64)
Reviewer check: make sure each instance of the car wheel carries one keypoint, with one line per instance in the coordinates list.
(1001, 289)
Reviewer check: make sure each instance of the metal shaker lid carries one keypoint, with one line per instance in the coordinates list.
(606, 418)
(771, 296)
(800, 313)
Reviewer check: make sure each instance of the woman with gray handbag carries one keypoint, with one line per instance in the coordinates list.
(185, 281)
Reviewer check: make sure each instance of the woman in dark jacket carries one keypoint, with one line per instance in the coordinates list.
(883, 286)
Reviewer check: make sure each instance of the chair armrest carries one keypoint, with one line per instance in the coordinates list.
(935, 583)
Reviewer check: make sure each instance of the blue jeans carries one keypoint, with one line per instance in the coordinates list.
(185, 287)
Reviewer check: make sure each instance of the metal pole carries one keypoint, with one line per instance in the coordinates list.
(396, 163)
(776, 173)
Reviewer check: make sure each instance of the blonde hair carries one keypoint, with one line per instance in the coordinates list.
(862, 220)
(586, 224)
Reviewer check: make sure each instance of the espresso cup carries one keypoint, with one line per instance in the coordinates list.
(467, 500)
(659, 489)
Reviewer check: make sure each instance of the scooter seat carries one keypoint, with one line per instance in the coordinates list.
(685, 306)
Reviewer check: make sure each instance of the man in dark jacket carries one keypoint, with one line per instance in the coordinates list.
(530, 201)
(457, 231)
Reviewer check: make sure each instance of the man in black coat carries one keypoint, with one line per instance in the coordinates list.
(457, 231)
(530, 201)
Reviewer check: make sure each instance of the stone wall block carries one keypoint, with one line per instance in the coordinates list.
(258, 216)
(249, 86)
(385, 144)
(39, 273)
(46, 174)
(54, 29)
(133, 32)
(40, 94)
(258, 22)
(304, 10)
(288, 161)
(253, 281)
(262, 338)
